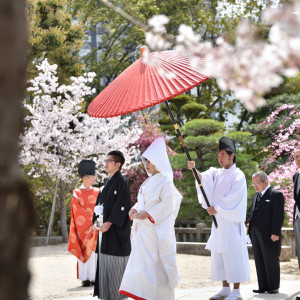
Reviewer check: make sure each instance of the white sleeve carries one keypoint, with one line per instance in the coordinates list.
(135, 206)
(160, 211)
(208, 186)
(98, 210)
(233, 207)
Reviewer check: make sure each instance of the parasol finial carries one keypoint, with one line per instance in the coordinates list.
(142, 49)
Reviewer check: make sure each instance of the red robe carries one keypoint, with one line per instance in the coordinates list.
(82, 237)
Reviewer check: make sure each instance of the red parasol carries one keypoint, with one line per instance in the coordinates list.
(142, 85)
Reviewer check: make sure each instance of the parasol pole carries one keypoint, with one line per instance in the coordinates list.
(189, 158)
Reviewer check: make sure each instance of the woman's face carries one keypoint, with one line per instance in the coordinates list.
(151, 169)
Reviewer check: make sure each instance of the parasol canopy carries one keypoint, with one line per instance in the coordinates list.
(142, 85)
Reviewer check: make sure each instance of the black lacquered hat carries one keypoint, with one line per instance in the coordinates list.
(86, 167)
(226, 143)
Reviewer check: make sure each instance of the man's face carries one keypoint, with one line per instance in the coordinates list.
(111, 166)
(258, 184)
(225, 160)
(297, 158)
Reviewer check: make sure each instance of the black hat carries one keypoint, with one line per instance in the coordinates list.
(227, 144)
(86, 167)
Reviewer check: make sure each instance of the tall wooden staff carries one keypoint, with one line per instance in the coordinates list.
(189, 158)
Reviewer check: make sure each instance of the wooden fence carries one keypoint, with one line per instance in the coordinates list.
(199, 233)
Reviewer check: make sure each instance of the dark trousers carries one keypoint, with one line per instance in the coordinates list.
(266, 256)
(297, 237)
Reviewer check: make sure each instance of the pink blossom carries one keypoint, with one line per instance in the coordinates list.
(59, 134)
(286, 139)
(251, 67)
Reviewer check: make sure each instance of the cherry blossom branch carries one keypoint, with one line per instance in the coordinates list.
(59, 134)
(286, 139)
(250, 67)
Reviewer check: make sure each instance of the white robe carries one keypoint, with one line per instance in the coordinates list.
(87, 270)
(226, 190)
(151, 272)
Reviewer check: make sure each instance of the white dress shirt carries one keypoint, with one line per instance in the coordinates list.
(262, 193)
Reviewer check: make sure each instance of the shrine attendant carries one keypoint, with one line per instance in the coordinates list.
(82, 237)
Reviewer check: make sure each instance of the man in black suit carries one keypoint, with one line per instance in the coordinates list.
(267, 214)
(114, 247)
(296, 218)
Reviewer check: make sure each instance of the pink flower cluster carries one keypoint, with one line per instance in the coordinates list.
(282, 177)
(286, 139)
(250, 67)
(274, 114)
(150, 132)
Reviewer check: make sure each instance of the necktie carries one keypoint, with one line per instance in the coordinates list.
(257, 199)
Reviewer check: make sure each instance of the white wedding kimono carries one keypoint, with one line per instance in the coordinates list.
(226, 190)
(151, 271)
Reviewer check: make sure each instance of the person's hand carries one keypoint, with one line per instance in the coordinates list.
(132, 213)
(274, 237)
(95, 226)
(105, 227)
(211, 210)
(191, 164)
(141, 215)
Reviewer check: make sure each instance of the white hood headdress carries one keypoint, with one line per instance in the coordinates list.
(157, 154)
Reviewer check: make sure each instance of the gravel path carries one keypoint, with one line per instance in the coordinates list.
(53, 272)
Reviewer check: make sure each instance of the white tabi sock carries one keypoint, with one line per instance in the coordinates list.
(225, 291)
(222, 294)
(235, 293)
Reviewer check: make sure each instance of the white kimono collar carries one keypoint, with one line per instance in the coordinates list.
(232, 168)
(83, 187)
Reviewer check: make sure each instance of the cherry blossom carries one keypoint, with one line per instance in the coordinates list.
(285, 140)
(59, 135)
(157, 23)
(250, 67)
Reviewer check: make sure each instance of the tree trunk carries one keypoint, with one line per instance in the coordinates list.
(16, 214)
(63, 213)
(49, 231)
(243, 118)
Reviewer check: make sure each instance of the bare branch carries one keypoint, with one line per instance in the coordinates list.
(126, 15)
(135, 21)
(46, 179)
